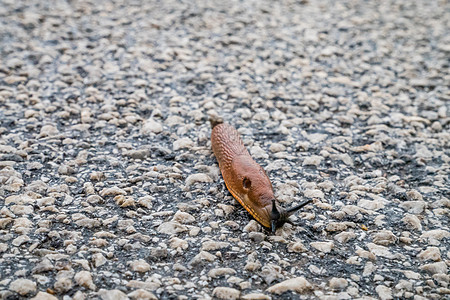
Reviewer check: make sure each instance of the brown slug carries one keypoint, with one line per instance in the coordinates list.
(246, 179)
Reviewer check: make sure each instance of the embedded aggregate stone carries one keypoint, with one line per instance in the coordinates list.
(109, 188)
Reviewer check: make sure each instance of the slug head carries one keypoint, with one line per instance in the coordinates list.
(279, 215)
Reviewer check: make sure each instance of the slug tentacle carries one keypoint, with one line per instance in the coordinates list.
(245, 179)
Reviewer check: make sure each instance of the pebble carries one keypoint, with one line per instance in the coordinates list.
(324, 247)
(298, 284)
(255, 296)
(313, 160)
(338, 283)
(413, 207)
(277, 147)
(297, 247)
(437, 234)
(313, 193)
(183, 218)
(226, 293)
(44, 296)
(384, 292)
(177, 243)
(140, 266)
(44, 266)
(183, 143)
(112, 295)
(344, 237)
(258, 153)
(18, 241)
(151, 126)
(171, 228)
(63, 281)
(202, 257)
(213, 245)
(435, 268)
(431, 253)
(84, 279)
(197, 178)
(218, 272)
(48, 130)
(142, 294)
(413, 222)
(23, 286)
(384, 237)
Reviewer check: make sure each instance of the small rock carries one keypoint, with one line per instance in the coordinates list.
(344, 237)
(431, 253)
(197, 178)
(158, 253)
(23, 286)
(404, 285)
(276, 147)
(379, 250)
(384, 237)
(183, 218)
(97, 176)
(112, 295)
(44, 296)
(371, 205)
(63, 281)
(213, 245)
(437, 234)
(338, 283)
(384, 292)
(84, 279)
(336, 226)
(98, 259)
(258, 153)
(252, 226)
(141, 294)
(14, 63)
(182, 143)
(20, 240)
(413, 207)
(177, 243)
(48, 130)
(171, 228)
(271, 273)
(44, 266)
(435, 268)
(218, 272)
(313, 160)
(138, 153)
(324, 247)
(256, 237)
(297, 247)
(202, 258)
(413, 222)
(151, 126)
(256, 296)
(315, 138)
(112, 191)
(226, 293)
(140, 266)
(414, 195)
(313, 193)
(298, 284)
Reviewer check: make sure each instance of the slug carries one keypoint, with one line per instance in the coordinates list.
(246, 179)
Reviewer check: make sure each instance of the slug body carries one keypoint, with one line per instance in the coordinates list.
(245, 179)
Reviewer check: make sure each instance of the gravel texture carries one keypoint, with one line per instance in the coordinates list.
(108, 185)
